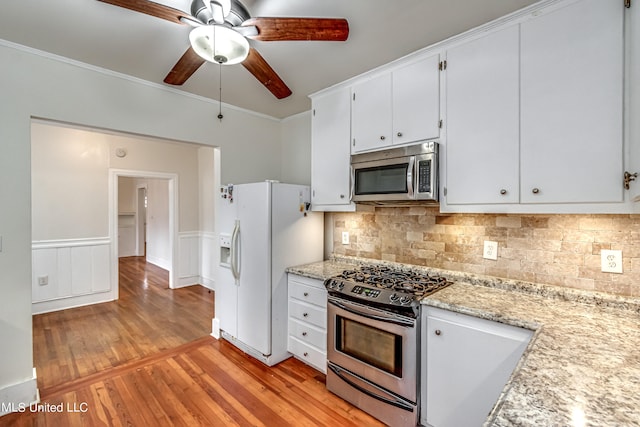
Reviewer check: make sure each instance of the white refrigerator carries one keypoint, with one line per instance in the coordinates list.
(263, 228)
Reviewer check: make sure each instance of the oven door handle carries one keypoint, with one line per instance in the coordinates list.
(395, 402)
(394, 321)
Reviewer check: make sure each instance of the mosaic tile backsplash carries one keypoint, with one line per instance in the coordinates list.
(559, 250)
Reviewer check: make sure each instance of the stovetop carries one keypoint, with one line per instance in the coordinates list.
(385, 287)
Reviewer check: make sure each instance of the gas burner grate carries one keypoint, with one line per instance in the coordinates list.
(406, 282)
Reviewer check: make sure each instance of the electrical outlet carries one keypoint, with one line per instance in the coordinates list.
(345, 237)
(43, 280)
(611, 261)
(490, 250)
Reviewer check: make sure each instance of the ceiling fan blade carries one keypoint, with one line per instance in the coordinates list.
(262, 71)
(188, 63)
(284, 29)
(151, 8)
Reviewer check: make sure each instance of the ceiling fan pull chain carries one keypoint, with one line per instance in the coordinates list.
(220, 116)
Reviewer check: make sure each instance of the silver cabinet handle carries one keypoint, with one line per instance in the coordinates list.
(399, 134)
(535, 190)
(382, 138)
(438, 332)
(503, 191)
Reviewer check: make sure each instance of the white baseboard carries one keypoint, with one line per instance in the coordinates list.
(208, 283)
(19, 397)
(70, 302)
(187, 281)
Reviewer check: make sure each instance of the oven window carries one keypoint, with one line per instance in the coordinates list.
(388, 179)
(370, 345)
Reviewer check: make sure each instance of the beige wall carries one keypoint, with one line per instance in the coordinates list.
(70, 168)
(560, 250)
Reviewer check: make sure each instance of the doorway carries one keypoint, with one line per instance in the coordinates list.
(156, 214)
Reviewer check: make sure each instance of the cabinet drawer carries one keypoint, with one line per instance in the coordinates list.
(308, 334)
(308, 313)
(308, 293)
(308, 354)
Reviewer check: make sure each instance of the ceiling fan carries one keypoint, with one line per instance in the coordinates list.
(221, 30)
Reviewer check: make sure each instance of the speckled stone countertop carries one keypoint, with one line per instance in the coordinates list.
(582, 366)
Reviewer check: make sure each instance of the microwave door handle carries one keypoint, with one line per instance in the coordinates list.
(410, 177)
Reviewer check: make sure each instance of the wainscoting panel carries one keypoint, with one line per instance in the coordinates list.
(69, 273)
(189, 259)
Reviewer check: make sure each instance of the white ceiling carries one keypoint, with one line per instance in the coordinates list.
(146, 47)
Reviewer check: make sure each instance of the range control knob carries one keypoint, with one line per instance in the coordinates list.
(394, 297)
(405, 300)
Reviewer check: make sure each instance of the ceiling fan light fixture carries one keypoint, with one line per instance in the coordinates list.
(219, 44)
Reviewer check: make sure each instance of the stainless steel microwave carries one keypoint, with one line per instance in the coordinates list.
(396, 175)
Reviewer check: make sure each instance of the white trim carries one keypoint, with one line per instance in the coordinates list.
(72, 301)
(114, 174)
(70, 243)
(112, 73)
(18, 397)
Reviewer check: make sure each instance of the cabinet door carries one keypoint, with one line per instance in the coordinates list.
(416, 101)
(330, 149)
(371, 114)
(466, 363)
(482, 120)
(572, 99)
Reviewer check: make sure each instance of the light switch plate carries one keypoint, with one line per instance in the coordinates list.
(345, 237)
(490, 250)
(611, 261)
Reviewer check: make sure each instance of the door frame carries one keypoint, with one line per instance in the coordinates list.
(114, 174)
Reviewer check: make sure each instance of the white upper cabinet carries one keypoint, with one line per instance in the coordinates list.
(371, 114)
(416, 101)
(330, 152)
(482, 119)
(398, 107)
(571, 106)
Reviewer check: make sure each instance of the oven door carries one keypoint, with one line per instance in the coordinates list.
(376, 345)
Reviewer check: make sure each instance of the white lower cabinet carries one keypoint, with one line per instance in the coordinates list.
(308, 321)
(466, 362)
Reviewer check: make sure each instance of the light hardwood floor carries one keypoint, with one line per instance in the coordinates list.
(147, 360)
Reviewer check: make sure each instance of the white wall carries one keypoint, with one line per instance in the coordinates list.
(296, 149)
(43, 86)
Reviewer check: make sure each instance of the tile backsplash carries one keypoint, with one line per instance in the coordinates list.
(559, 250)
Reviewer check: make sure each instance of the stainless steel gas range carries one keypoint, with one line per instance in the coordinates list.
(373, 331)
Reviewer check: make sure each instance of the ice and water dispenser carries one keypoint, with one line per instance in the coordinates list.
(225, 250)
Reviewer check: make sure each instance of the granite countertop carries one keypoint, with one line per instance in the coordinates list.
(582, 366)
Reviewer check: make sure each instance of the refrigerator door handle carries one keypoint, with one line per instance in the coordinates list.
(235, 252)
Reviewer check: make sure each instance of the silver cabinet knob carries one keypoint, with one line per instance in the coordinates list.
(438, 332)
(535, 190)
(399, 134)
(305, 354)
(305, 314)
(503, 191)
(382, 138)
(304, 334)
(342, 196)
(306, 294)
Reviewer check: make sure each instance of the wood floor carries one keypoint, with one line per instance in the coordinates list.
(176, 375)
